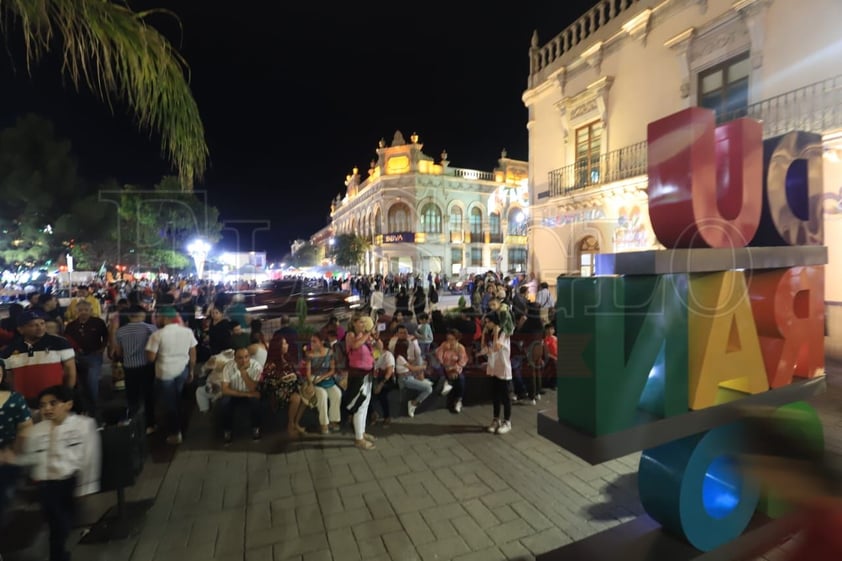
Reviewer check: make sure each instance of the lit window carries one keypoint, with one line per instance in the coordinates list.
(476, 222)
(431, 219)
(517, 259)
(588, 147)
(494, 223)
(724, 88)
(456, 219)
(399, 218)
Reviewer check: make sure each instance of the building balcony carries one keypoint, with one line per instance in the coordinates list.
(814, 108)
(613, 166)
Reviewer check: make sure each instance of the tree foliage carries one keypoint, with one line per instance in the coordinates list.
(349, 249)
(156, 225)
(48, 210)
(39, 186)
(306, 256)
(114, 52)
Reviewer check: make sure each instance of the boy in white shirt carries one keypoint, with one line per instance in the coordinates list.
(65, 452)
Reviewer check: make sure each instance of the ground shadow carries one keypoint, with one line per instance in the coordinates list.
(620, 492)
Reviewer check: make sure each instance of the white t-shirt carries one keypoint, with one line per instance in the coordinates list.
(386, 361)
(172, 345)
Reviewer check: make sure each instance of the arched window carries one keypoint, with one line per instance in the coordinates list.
(378, 227)
(494, 223)
(587, 248)
(476, 223)
(399, 218)
(517, 222)
(455, 224)
(431, 219)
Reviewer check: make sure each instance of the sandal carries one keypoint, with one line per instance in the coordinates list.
(364, 444)
(369, 437)
(301, 430)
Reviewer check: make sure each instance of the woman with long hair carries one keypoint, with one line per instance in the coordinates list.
(279, 383)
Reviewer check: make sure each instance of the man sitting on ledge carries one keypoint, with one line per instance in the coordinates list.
(239, 387)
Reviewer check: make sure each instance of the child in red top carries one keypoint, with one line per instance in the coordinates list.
(550, 355)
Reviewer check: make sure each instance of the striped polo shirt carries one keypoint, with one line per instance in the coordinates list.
(37, 366)
(132, 338)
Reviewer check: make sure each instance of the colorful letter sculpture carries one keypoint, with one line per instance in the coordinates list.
(693, 487)
(645, 347)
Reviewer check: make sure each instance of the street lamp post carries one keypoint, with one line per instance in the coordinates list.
(198, 250)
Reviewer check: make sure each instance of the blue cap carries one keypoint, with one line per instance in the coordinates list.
(29, 315)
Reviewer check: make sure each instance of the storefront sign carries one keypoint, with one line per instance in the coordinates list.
(588, 215)
(399, 237)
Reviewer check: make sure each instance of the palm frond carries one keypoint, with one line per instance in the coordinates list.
(114, 52)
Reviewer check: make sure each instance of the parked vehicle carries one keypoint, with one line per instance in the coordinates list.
(280, 297)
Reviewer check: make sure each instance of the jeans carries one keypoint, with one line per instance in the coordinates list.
(140, 386)
(382, 398)
(500, 396)
(91, 370)
(9, 475)
(170, 391)
(228, 402)
(425, 387)
(59, 510)
(328, 402)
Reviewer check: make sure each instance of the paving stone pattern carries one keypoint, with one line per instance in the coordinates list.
(437, 487)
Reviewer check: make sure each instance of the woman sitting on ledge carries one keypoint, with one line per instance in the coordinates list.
(279, 383)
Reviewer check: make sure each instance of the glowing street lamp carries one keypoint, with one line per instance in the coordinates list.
(198, 250)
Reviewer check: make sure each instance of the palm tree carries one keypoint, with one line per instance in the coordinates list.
(114, 52)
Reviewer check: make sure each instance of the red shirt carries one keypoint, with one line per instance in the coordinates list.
(551, 344)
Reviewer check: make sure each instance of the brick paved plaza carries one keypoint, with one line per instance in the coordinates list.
(437, 487)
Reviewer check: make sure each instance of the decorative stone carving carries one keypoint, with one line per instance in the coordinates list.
(754, 14)
(398, 140)
(680, 45)
(561, 79)
(724, 38)
(593, 56)
(638, 26)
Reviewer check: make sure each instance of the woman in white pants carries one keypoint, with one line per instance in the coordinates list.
(320, 370)
(358, 343)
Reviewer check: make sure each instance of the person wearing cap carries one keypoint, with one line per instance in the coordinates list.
(36, 359)
(83, 293)
(173, 351)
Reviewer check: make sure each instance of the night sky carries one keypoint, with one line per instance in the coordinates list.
(295, 94)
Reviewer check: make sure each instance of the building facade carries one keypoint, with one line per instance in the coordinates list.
(422, 216)
(593, 89)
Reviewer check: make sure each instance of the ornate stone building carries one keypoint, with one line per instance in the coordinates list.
(594, 87)
(424, 216)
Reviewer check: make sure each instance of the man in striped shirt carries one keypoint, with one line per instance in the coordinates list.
(37, 359)
(130, 347)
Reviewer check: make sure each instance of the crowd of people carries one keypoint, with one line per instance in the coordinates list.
(158, 344)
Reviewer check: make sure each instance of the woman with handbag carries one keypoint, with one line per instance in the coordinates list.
(279, 383)
(321, 368)
(358, 342)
